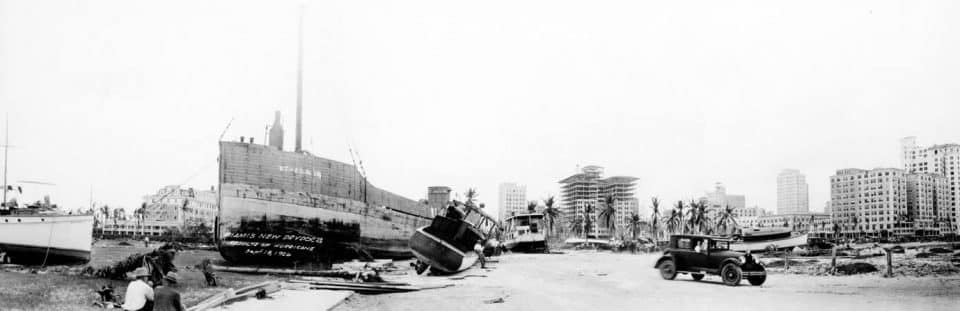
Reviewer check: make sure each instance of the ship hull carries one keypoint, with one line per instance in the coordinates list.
(295, 209)
(531, 246)
(45, 239)
(440, 255)
(781, 243)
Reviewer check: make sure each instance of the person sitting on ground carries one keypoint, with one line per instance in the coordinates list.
(479, 249)
(208, 274)
(139, 295)
(165, 297)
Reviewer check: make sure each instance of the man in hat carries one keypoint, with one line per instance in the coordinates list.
(139, 295)
(168, 299)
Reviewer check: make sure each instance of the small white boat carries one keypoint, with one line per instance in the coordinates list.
(758, 240)
(525, 233)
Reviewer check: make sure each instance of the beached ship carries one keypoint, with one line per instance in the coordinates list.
(447, 245)
(281, 207)
(525, 233)
(36, 237)
(756, 240)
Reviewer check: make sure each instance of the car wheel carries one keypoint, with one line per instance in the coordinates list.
(731, 274)
(697, 276)
(668, 271)
(757, 280)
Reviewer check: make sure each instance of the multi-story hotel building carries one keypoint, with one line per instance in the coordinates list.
(588, 188)
(512, 200)
(171, 208)
(792, 192)
(943, 160)
(889, 201)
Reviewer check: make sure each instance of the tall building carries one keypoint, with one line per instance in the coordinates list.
(437, 198)
(719, 198)
(792, 192)
(276, 133)
(512, 200)
(943, 160)
(588, 188)
(889, 201)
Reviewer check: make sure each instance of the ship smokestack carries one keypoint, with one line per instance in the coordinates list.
(299, 81)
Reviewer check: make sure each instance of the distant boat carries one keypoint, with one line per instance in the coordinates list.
(574, 242)
(525, 233)
(756, 240)
(38, 234)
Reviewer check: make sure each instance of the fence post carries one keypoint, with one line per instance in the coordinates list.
(786, 260)
(833, 261)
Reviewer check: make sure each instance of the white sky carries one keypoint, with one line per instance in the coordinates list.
(127, 96)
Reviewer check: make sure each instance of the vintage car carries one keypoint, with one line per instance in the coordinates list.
(699, 255)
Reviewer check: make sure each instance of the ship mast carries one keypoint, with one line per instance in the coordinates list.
(6, 153)
(299, 80)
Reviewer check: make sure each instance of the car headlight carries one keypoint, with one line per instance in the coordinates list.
(742, 259)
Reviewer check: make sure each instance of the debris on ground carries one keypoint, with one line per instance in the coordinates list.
(260, 291)
(495, 300)
(467, 276)
(365, 288)
(856, 268)
(940, 250)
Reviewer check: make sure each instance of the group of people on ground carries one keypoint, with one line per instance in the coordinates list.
(142, 295)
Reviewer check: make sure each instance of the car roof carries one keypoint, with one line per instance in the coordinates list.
(712, 237)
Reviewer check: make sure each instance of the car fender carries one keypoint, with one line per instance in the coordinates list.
(728, 260)
(662, 258)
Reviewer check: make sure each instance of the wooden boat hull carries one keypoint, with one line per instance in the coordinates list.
(49, 239)
(759, 246)
(439, 254)
(526, 245)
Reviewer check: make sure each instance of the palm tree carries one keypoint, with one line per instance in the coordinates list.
(471, 196)
(576, 225)
(608, 214)
(726, 220)
(635, 224)
(140, 214)
(550, 213)
(655, 217)
(679, 209)
(105, 211)
(699, 220)
(532, 207)
(587, 223)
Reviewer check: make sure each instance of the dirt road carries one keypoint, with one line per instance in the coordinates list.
(607, 281)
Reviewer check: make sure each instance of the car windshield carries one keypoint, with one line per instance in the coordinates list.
(719, 245)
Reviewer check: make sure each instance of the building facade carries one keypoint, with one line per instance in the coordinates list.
(588, 188)
(943, 160)
(437, 198)
(890, 202)
(719, 199)
(792, 192)
(749, 217)
(512, 200)
(170, 208)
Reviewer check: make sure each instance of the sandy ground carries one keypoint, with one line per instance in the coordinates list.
(588, 280)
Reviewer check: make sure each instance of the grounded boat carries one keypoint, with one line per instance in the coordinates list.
(447, 245)
(581, 242)
(525, 233)
(756, 240)
(286, 208)
(38, 238)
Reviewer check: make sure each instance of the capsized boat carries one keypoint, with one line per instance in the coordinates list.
(525, 233)
(756, 240)
(446, 246)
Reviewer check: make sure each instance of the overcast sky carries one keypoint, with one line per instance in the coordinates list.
(123, 97)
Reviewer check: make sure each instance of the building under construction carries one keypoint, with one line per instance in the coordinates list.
(589, 188)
